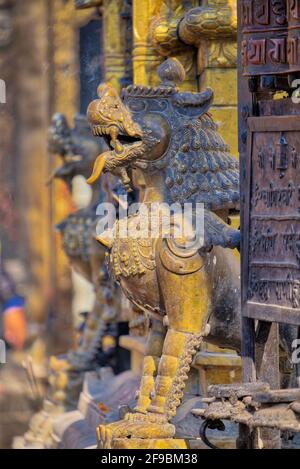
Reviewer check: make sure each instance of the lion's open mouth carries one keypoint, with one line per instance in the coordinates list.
(122, 146)
(116, 139)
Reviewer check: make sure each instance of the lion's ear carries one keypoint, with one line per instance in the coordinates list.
(198, 102)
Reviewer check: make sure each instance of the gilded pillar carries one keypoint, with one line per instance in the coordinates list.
(116, 42)
(203, 38)
(144, 55)
(212, 29)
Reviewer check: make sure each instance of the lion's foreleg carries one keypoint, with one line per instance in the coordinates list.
(187, 303)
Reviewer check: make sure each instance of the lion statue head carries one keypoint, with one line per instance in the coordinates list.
(162, 129)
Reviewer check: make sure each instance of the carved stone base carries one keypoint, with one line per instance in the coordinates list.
(138, 443)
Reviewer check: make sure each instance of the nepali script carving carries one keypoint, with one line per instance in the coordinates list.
(274, 206)
(271, 36)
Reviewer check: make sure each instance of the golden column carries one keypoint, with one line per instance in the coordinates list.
(115, 41)
(212, 29)
(204, 40)
(144, 55)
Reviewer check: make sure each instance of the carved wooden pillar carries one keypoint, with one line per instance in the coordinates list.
(267, 36)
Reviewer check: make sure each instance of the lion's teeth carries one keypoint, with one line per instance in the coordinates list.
(103, 130)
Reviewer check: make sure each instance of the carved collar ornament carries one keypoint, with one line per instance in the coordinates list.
(159, 129)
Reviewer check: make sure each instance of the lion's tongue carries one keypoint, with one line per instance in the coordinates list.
(98, 168)
(117, 146)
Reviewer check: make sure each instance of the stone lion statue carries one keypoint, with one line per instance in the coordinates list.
(188, 285)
